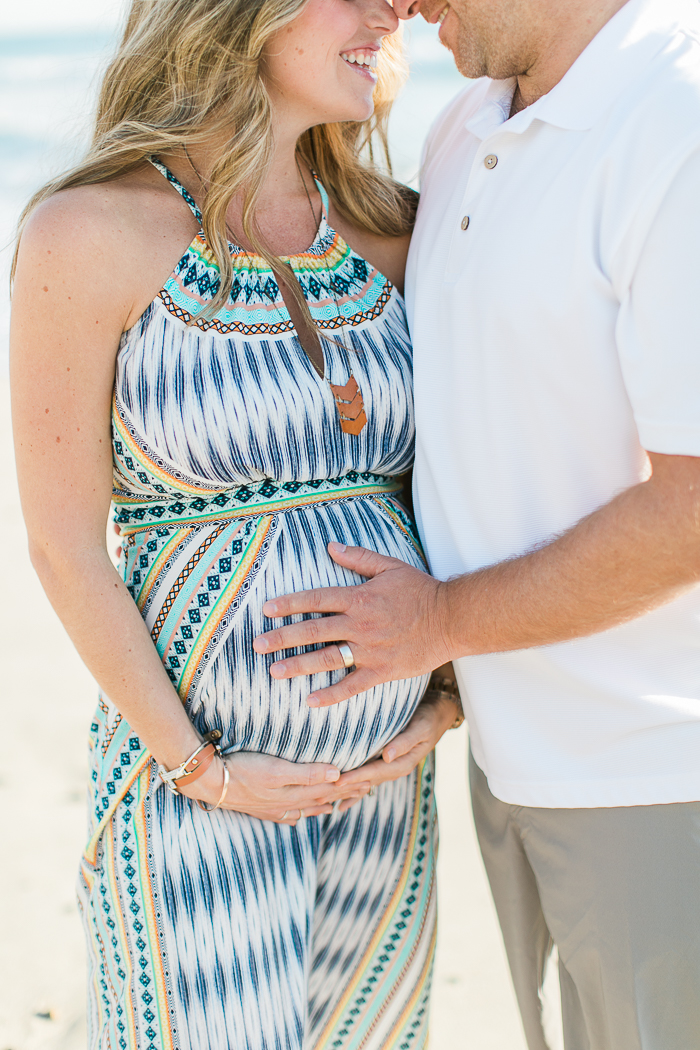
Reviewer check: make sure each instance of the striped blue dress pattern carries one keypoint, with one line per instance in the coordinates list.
(209, 931)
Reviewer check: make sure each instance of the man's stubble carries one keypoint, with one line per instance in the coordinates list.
(494, 38)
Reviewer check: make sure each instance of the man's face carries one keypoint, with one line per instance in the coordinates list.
(494, 38)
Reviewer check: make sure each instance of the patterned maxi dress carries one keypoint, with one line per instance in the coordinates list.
(232, 473)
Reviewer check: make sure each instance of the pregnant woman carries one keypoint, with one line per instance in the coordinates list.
(208, 329)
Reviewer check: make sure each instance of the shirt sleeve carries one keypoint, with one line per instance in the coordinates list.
(658, 330)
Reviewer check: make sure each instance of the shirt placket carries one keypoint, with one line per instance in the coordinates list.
(482, 181)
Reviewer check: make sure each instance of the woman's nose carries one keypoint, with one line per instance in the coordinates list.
(383, 16)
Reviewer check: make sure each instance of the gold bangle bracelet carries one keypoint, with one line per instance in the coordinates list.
(205, 805)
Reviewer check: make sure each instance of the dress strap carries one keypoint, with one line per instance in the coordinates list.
(324, 196)
(185, 194)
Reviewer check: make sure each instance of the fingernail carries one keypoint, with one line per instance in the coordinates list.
(278, 670)
(339, 548)
(390, 754)
(313, 701)
(332, 774)
(269, 608)
(261, 645)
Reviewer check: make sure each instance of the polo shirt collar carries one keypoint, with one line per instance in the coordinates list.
(493, 108)
(623, 48)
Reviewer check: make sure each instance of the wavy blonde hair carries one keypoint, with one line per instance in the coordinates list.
(189, 69)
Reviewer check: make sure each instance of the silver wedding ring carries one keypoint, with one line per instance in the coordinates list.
(372, 790)
(346, 653)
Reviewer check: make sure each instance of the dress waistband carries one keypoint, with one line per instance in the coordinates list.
(136, 512)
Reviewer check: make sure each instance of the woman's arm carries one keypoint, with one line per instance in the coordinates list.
(74, 295)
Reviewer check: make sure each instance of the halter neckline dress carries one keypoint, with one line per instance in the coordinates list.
(209, 931)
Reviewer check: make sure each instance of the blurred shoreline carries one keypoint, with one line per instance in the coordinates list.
(48, 84)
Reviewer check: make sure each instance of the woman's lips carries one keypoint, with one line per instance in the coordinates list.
(362, 60)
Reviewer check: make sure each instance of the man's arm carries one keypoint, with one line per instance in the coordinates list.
(632, 554)
(638, 551)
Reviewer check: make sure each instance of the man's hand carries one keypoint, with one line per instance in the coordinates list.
(392, 624)
(631, 555)
(434, 715)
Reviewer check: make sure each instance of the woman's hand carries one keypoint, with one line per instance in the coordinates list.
(435, 714)
(272, 789)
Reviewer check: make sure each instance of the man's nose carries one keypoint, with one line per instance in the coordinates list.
(407, 8)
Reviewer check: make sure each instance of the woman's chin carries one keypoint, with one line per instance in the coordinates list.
(354, 109)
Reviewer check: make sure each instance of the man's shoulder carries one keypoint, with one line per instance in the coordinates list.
(669, 86)
(656, 121)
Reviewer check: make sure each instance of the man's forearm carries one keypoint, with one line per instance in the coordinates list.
(637, 552)
(633, 554)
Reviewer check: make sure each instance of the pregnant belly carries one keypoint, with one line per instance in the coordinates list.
(206, 613)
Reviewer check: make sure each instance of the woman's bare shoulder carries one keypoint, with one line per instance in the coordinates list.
(124, 234)
(103, 212)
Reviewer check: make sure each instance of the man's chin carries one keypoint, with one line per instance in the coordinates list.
(466, 64)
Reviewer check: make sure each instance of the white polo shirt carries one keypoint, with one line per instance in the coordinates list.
(553, 291)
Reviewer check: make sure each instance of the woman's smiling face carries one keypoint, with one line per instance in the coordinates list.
(321, 68)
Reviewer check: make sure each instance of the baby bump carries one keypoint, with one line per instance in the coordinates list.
(201, 592)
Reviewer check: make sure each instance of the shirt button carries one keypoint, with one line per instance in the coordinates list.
(491, 161)
(465, 222)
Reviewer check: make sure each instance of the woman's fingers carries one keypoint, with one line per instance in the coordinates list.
(346, 804)
(402, 754)
(379, 772)
(412, 735)
(367, 774)
(263, 773)
(285, 792)
(303, 798)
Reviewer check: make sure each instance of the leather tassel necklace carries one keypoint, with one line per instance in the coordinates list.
(349, 402)
(350, 406)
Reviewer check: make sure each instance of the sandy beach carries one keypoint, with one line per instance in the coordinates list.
(47, 702)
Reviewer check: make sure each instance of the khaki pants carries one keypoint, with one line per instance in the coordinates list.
(618, 892)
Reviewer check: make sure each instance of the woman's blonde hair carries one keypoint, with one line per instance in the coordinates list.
(189, 69)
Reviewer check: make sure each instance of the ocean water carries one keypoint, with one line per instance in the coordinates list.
(47, 88)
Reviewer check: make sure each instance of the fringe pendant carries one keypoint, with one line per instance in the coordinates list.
(351, 407)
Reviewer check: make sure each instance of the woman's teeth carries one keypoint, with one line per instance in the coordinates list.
(441, 16)
(366, 59)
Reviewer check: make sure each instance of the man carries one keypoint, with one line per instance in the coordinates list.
(554, 301)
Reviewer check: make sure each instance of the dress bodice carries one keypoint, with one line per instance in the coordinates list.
(222, 401)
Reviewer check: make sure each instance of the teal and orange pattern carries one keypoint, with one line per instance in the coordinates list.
(231, 475)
